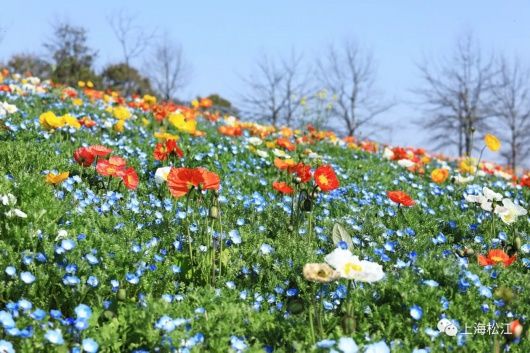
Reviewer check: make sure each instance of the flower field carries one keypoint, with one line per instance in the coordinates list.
(133, 225)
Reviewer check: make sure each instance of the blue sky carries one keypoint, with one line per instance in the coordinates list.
(222, 39)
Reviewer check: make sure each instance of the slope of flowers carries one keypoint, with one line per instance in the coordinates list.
(130, 225)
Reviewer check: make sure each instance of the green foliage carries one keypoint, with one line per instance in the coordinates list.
(125, 79)
(72, 57)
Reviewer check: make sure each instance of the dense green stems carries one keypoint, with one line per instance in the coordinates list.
(188, 229)
(478, 162)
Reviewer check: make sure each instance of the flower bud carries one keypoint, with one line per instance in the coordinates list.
(122, 295)
(348, 324)
(295, 306)
(214, 212)
(517, 243)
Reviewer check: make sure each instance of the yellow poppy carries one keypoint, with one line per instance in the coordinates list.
(56, 179)
(492, 142)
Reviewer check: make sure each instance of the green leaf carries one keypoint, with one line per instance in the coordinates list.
(340, 234)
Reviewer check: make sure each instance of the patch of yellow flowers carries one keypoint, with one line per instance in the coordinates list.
(50, 121)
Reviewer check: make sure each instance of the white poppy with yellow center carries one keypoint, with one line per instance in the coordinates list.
(350, 267)
(161, 175)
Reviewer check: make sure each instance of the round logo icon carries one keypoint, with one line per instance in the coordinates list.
(447, 327)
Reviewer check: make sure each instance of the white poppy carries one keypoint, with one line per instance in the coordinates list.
(262, 153)
(406, 163)
(161, 175)
(255, 141)
(388, 153)
(509, 212)
(459, 179)
(280, 153)
(350, 267)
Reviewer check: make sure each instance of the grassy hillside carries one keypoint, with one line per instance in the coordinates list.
(113, 258)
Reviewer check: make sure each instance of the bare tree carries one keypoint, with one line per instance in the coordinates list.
(511, 105)
(132, 37)
(349, 75)
(168, 68)
(457, 95)
(276, 89)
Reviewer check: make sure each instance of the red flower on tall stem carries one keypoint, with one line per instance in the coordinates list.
(401, 198)
(83, 156)
(129, 178)
(165, 149)
(99, 150)
(326, 179)
(181, 180)
(494, 257)
(282, 187)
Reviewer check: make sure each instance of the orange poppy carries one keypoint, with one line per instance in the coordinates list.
(283, 164)
(494, 257)
(401, 198)
(282, 187)
(439, 175)
(181, 180)
(129, 177)
(285, 143)
(326, 179)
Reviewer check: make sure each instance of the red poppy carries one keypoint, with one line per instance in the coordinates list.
(515, 328)
(401, 198)
(302, 171)
(326, 179)
(181, 180)
(129, 177)
(104, 167)
(525, 180)
(282, 187)
(83, 156)
(494, 257)
(99, 150)
(164, 150)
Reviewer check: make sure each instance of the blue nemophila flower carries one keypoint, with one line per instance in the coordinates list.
(90, 345)
(92, 281)
(83, 311)
(38, 314)
(81, 324)
(234, 236)
(56, 314)
(67, 244)
(54, 336)
(6, 347)
(291, 292)
(25, 304)
(326, 343)
(347, 345)
(238, 344)
(6, 319)
(378, 347)
(91, 259)
(27, 277)
(11, 271)
(416, 312)
(266, 249)
(71, 280)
